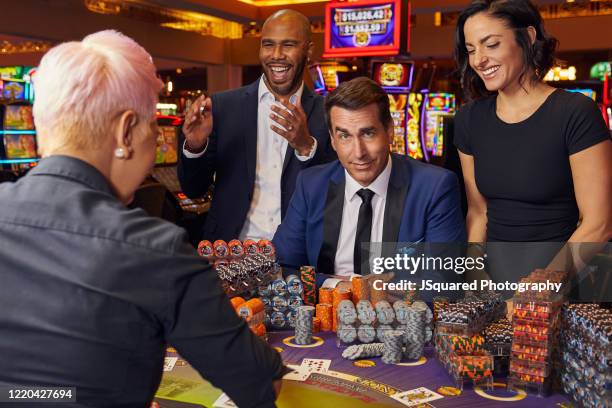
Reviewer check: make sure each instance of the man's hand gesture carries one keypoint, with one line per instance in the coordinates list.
(293, 126)
(198, 124)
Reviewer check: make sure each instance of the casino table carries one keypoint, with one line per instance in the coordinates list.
(347, 385)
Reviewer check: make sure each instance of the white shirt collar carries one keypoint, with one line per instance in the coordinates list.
(379, 186)
(263, 90)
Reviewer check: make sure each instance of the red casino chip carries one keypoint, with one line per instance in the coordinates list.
(236, 249)
(266, 247)
(205, 249)
(221, 248)
(250, 247)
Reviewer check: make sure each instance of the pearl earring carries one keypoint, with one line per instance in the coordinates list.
(120, 153)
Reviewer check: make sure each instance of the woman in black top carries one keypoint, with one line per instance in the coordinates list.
(535, 159)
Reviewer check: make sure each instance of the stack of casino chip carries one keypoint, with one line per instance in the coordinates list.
(346, 312)
(281, 299)
(326, 295)
(586, 344)
(346, 317)
(253, 312)
(392, 352)
(498, 337)
(500, 331)
(358, 351)
(439, 303)
(460, 344)
(381, 329)
(365, 312)
(498, 342)
(535, 336)
(360, 289)
(246, 274)
(366, 333)
(414, 333)
(307, 276)
(367, 323)
(401, 311)
(465, 358)
(386, 318)
(476, 367)
(417, 319)
(470, 315)
(324, 312)
(544, 276)
(240, 266)
(304, 325)
(384, 312)
(347, 334)
(235, 249)
(316, 324)
(338, 295)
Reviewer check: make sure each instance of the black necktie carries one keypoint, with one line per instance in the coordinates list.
(364, 231)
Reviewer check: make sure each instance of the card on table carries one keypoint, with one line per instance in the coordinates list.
(169, 363)
(297, 374)
(316, 364)
(413, 398)
(224, 402)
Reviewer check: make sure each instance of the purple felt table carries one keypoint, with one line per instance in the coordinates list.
(347, 385)
(431, 375)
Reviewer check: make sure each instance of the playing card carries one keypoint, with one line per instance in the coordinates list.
(413, 398)
(298, 373)
(224, 402)
(169, 363)
(316, 365)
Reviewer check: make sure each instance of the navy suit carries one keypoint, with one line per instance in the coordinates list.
(231, 157)
(423, 205)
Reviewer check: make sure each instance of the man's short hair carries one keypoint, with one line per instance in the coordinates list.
(356, 94)
(81, 86)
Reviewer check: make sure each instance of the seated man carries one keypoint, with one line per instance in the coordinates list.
(368, 195)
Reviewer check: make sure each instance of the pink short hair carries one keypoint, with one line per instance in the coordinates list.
(81, 86)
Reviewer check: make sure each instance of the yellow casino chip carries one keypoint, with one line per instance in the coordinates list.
(449, 391)
(364, 363)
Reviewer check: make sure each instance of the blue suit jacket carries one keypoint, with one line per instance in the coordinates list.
(231, 158)
(423, 205)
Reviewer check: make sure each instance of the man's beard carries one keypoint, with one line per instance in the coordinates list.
(297, 78)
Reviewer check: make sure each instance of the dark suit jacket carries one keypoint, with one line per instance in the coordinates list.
(231, 155)
(92, 293)
(423, 205)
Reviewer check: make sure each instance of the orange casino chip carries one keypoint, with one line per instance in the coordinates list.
(326, 295)
(324, 312)
(316, 325)
(237, 301)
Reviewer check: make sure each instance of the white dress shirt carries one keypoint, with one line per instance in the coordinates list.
(264, 215)
(343, 262)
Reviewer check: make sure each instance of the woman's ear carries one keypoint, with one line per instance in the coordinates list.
(124, 133)
(533, 34)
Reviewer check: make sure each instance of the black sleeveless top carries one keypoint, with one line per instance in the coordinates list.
(522, 169)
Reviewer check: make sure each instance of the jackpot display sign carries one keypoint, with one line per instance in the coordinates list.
(394, 77)
(364, 28)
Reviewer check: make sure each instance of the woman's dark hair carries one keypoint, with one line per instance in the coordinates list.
(356, 94)
(518, 15)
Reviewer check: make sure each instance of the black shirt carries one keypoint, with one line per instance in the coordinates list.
(522, 169)
(91, 293)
